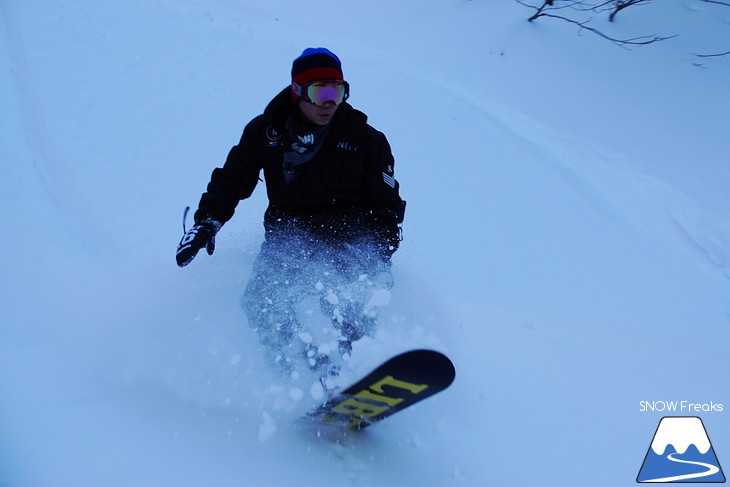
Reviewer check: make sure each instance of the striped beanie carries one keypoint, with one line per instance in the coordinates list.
(316, 64)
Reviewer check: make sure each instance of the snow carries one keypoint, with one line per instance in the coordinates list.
(566, 240)
(688, 429)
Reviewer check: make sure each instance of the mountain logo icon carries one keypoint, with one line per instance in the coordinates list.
(680, 452)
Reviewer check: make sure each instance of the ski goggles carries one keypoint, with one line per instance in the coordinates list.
(321, 92)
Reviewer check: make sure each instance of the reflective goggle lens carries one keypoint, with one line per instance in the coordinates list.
(320, 93)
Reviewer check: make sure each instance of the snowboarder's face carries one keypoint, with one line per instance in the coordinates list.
(318, 114)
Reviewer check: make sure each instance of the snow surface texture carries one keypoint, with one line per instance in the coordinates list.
(566, 241)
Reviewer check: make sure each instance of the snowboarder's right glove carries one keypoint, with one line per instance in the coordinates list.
(201, 235)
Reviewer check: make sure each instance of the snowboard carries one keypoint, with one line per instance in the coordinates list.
(398, 383)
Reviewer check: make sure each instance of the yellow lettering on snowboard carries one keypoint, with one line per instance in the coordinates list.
(367, 404)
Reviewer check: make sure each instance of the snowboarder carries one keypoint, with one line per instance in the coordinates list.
(334, 214)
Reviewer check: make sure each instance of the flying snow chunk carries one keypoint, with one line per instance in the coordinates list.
(267, 428)
(332, 298)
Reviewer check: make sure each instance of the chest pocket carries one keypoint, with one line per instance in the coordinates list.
(344, 169)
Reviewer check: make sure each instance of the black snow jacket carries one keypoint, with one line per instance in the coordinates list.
(345, 193)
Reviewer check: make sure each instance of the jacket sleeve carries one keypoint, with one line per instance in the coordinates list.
(388, 208)
(237, 178)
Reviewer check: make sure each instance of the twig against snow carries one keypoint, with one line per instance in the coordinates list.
(714, 55)
(716, 2)
(619, 5)
(634, 41)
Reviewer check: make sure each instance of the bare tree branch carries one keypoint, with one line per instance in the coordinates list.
(550, 5)
(619, 5)
(634, 41)
(716, 2)
(581, 5)
(714, 55)
(538, 10)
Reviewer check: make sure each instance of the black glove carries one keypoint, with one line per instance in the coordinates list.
(201, 235)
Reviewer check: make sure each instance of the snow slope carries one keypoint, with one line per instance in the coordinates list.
(566, 228)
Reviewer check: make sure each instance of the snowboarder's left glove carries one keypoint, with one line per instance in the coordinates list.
(201, 235)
